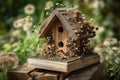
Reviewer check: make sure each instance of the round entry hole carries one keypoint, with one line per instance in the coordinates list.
(61, 44)
(60, 29)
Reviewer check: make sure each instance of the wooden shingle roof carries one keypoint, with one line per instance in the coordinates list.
(68, 21)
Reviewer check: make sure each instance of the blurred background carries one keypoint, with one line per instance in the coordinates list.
(20, 22)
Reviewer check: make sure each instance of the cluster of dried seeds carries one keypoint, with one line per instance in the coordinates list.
(83, 30)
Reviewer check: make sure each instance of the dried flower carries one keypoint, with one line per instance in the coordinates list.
(8, 58)
(48, 5)
(110, 41)
(29, 9)
(100, 48)
(28, 22)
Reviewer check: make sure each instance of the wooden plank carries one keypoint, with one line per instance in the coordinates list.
(41, 75)
(46, 24)
(20, 73)
(94, 72)
(83, 62)
(63, 66)
(60, 36)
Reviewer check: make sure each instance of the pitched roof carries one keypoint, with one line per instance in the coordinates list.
(60, 13)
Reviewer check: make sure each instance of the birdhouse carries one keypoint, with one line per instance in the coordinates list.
(66, 32)
(68, 35)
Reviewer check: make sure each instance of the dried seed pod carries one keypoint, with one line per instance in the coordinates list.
(78, 34)
(74, 44)
(53, 45)
(76, 48)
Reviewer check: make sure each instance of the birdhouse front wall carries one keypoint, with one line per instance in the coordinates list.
(60, 36)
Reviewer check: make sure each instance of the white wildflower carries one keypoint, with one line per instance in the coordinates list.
(48, 5)
(100, 48)
(18, 23)
(100, 30)
(27, 26)
(29, 9)
(28, 22)
(114, 48)
(110, 41)
(28, 19)
(98, 3)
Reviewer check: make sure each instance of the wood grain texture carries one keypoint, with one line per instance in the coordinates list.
(60, 36)
(94, 72)
(51, 20)
(41, 75)
(63, 66)
(67, 26)
(20, 73)
(47, 25)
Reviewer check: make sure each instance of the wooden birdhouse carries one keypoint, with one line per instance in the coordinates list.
(68, 35)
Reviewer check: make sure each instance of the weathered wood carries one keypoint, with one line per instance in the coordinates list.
(67, 26)
(44, 30)
(60, 36)
(51, 19)
(20, 73)
(43, 75)
(63, 66)
(95, 72)
(66, 29)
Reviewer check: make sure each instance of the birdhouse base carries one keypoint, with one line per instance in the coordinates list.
(68, 66)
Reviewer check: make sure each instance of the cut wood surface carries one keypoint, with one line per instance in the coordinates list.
(63, 66)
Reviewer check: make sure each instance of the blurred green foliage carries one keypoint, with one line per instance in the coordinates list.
(21, 37)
